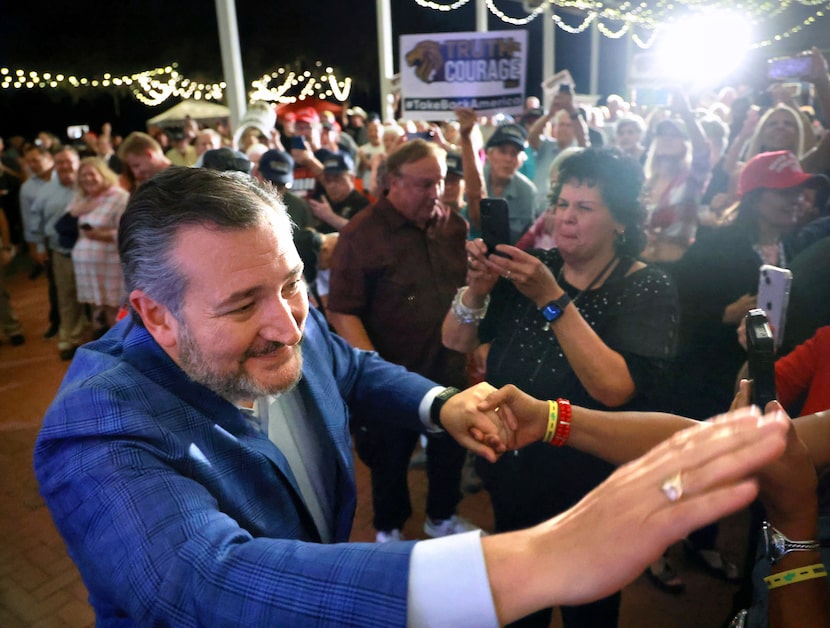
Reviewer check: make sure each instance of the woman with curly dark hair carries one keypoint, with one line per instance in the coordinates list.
(586, 322)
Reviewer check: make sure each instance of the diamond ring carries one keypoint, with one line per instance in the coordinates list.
(672, 487)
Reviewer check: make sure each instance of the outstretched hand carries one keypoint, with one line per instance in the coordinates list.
(606, 540)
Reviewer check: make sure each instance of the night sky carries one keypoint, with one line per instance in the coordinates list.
(89, 38)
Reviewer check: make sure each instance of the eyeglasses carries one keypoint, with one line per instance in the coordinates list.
(420, 183)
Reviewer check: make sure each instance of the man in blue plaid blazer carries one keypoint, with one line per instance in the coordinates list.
(163, 460)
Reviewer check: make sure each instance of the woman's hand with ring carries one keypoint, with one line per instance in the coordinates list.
(528, 273)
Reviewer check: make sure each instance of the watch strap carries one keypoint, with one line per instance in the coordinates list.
(555, 308)
(440, 399)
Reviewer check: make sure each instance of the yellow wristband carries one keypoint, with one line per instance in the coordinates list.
(799, 574)
(553, 420)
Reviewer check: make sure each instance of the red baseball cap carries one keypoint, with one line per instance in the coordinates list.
(309, 115)
(776, 171)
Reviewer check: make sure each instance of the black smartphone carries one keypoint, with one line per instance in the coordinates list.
(85, 226)
(495, 223)
(760, 347)
(298, 142)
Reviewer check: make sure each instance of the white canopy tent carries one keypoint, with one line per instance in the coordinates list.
(201, 111)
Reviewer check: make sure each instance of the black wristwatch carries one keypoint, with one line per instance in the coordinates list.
(440, 399)
(777, 545)
(553, 310)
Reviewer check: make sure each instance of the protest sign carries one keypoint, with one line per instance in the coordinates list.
(442, 71)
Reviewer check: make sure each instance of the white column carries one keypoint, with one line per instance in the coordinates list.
(548, 50)
(481, 16)
(594, 84)
(629, 42)
(385, 58)
(235, 93)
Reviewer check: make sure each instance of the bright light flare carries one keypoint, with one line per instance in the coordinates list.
(703, 48)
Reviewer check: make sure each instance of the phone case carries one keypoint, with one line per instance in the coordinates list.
(495, 222)
(774, 297)
(760, 357)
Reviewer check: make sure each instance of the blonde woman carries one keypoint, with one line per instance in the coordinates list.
(98, 205)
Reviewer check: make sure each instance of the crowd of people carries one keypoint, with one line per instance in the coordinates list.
(197, 452)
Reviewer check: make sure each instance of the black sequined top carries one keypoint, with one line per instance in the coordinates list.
(635, 315)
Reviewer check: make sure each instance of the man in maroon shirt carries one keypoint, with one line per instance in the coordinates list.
(396, 268)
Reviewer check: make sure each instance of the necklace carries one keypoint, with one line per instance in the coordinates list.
(561, 277)
(771, 253)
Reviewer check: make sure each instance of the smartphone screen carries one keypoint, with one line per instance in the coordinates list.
(789, 67)
(76, 131)
(495, 223)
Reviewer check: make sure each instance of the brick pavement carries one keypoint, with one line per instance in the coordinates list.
(40, 586)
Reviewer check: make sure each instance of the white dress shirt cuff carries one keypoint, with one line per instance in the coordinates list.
(448, 584)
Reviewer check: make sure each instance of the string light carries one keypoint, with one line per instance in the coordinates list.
(650, 15)
(602, 28)
(645, 43)
(288, 85)
(795, 29)
(153, 87)
(491, 5)
(442, 7)
(575, 30)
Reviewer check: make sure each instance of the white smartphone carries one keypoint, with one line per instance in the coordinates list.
(774, 297)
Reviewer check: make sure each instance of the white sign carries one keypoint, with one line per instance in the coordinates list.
(442, 71)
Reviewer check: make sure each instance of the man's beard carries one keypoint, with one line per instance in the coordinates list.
(233, 386)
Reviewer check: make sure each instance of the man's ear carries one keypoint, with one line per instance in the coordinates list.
(158, 320)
